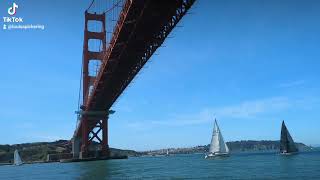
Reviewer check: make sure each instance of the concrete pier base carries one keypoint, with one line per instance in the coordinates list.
(76, 145)
(94, 154)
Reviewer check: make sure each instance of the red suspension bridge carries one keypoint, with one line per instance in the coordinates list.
(139, 28)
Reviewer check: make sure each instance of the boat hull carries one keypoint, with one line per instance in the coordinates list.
(216, 155)
(288, 154)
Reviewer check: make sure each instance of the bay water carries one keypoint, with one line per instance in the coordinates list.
(191, 166)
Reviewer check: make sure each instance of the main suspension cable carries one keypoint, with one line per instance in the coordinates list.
(90, 5)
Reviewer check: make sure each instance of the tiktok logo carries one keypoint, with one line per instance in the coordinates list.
(12, 10)
(12, 22)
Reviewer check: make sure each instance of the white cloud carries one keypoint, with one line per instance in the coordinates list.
(244, 110)
(250, 109)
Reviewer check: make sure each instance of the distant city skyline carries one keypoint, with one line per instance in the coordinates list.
(249, 64)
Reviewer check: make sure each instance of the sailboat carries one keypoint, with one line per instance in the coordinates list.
(17, 158)
(217, 147)
(287, 145)
(167, 154)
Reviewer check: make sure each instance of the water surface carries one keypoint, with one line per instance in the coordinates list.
(237, 166)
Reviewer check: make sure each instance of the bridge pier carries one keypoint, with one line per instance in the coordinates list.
(94, 136)
(76, 145)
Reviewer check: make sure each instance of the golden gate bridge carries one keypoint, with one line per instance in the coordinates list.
(119, 39)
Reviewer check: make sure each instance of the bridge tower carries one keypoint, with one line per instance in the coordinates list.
(94, 123)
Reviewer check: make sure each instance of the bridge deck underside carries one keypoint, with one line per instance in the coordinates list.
(146, 25)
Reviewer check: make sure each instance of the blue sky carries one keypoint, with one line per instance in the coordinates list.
(249, 63)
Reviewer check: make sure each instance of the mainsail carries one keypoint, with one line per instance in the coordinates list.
(217, 143)
(17, 159)
(287, 144)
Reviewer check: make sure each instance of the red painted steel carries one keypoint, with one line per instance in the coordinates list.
(89, 122)
(142, 27)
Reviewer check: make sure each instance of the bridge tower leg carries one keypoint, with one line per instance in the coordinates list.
(105, 142)
(93, 122)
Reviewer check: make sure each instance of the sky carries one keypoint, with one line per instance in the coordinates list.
(248, 63)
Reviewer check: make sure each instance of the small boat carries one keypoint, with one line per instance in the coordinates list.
(167, 154)
(17, 159)
(287, 145)
(218, 148)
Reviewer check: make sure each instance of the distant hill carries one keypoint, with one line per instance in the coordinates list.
(31, 152)
(238, 146)
(235, 146)
(38, 151)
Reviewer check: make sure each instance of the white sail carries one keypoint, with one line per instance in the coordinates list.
(217, 143)
(17, 159)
